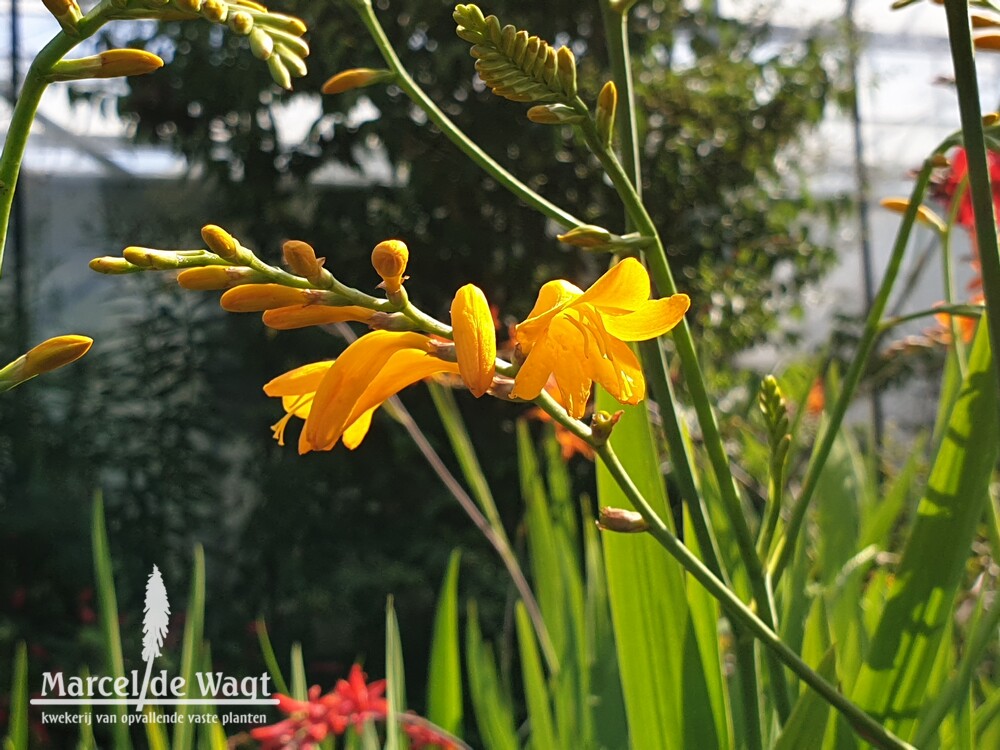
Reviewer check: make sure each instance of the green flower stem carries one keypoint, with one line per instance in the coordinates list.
(775, 499)
(23, 116)
(450, 130)
(628, 183)
(862, 723)
(968, 311)
(966, 82)
(786, 544)
(948, 276)
(695, 379)
(683, 462)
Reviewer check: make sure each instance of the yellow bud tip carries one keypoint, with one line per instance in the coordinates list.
(128, 62)
(221, 242)
(389, 259)
(355, 78)
(301, 258)
(475, 338)
(53, 354)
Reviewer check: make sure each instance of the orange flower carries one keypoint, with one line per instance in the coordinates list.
(579, 337)
(337, 398)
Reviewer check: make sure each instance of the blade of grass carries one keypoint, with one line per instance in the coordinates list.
(901, 655)
(490, 702)
(300, 686)
(17, 727)
(444, 676)
(194, 628)
(395, 681)
(270, 660)
(107, 602)
(536, 694)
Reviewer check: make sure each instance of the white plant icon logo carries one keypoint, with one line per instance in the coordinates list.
(155, 621)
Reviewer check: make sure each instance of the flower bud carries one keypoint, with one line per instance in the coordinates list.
(261, 44)
(988, 41)
(356, 78)
(240, 23)
(223, 244)
(281, 22)
(47, 356)
(389, 259)
(279, 72)
(251, 5)
(301, 258)
(554, 114)
(293, 60)
(260, 297)
(566, 70)
(587, 235)
(607, 105)
(192, 5)
(302, 316)
(67, 13)
(621, 520)
(924, 215)
(475, 338)
(214, 10)
(212, 278)
(979, 21)
(601, 425)
(113, 266)
(110, 64)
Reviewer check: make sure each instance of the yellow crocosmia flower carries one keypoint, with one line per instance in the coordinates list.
(389, 259)
(475, 338)
(579, 337)
(301, 316)
(337, 399)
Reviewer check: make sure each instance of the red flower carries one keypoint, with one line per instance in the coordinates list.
(957, 174)
(352, 702)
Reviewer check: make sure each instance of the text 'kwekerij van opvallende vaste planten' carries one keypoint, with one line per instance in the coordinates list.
(762, 580)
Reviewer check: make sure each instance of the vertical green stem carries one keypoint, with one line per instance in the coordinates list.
(967, 84)
(627, 180)
(948, 276)
(864, 724)
(786, 544)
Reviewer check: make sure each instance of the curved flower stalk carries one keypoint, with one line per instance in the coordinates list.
(571, 337)
(272, 37)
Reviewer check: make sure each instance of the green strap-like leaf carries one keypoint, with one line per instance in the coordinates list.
(902, 653)
(444, 677)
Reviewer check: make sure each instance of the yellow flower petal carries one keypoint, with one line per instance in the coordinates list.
(305, 379)
(475, 338)
(345, 383)
(357, 430)
(624, 287)
(553, 297)
(301, 316)
(651, 319)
